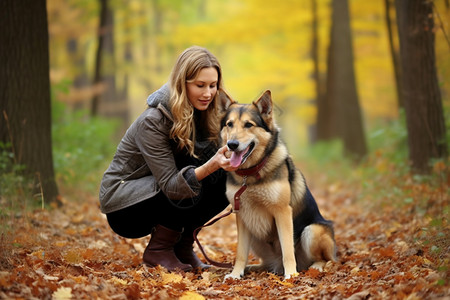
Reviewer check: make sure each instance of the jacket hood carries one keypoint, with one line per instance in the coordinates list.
(160, 96)
(160, 99)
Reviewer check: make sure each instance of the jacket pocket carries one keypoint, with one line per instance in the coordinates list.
(135, 168)
(142, 171)
(134, 163)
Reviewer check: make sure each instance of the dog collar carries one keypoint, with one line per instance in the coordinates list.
(253, 171)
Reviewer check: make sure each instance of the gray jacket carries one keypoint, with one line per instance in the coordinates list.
(145, 162)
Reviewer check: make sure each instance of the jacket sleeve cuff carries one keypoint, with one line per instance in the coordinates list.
(191, 179)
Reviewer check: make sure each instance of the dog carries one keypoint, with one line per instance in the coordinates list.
(276, 214)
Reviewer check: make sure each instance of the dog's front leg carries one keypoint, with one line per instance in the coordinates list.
(285, 228)
(243, 247)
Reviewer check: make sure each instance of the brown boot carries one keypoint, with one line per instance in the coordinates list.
(160, 250)
(184, 250)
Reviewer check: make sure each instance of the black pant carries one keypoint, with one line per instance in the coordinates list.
(138, 220)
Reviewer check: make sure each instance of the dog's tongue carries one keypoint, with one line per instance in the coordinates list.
(236, 158)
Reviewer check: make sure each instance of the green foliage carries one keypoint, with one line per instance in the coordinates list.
(7, 160)
(82, 146)
(328, 157)
(392, 138)
(15, 189)
(9, 171)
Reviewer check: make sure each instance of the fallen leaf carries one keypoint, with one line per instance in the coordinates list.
(73, 257)
(118, 281)
(98, 244)
(171, 278)
(189, 295)
(62, 293)
(78, 218)
(277, 280)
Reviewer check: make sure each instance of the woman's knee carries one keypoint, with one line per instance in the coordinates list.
(129, 227)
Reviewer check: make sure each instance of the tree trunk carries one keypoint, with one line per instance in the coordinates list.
(326, 106)
(25, 105)
(99, 56)
(127, 59)
(394, 53)
(321, 120)
(342, 102)
(420, 89)
(108, 103)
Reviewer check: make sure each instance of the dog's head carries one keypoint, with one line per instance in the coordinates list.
(248, 130)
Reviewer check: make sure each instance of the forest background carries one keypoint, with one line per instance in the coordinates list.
(101, 75)
(106, 57)
(260, 46)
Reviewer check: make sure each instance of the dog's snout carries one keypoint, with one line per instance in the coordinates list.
(232, 144)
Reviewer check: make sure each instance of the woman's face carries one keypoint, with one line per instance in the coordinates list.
(203, 88)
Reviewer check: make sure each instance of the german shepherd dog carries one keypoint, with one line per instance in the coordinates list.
(276, 214)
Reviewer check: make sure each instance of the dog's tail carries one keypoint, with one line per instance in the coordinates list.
(318, 243)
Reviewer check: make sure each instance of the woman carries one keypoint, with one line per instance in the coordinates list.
(167, 176)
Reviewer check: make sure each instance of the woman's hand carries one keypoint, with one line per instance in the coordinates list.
(219, 160)
(223, 159)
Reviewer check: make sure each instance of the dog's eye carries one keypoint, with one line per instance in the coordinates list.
(248, 125)
(230, 124)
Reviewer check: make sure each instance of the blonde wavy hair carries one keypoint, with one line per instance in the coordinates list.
(187, 67)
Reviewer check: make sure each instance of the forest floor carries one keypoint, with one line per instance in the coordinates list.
(384, 252)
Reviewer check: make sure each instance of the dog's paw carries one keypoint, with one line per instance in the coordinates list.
(318, 265)
(289, 276)
(232, 276)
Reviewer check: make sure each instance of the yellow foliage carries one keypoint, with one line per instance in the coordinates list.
(261, 45)
(189, 295)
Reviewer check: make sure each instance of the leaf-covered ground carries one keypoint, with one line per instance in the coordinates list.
(384, 252)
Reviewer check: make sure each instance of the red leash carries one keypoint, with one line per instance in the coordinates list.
(196, 231)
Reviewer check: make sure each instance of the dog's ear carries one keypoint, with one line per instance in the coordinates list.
(224, 100)
(264, 103)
